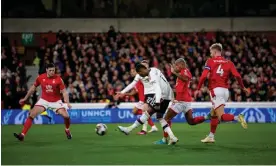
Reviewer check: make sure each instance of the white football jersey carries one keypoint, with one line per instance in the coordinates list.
(156, 83)
(156, 78)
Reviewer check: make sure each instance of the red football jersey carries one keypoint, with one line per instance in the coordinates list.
(182, 87)
(220, 70)
(50, 87)
(140, 89)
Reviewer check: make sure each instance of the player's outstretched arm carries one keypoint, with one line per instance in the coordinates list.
(202, 78)
(237, 75)
(124, 91)
(131, 85)
(66, 97)
(30, 92)
(131, 93)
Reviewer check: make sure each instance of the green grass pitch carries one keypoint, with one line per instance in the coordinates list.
(47, 144)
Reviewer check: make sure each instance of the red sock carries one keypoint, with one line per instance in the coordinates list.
(198, 119)
(213, 124)
(165, 134)
(139, 112)
(27, 125)
(67, 123)
(227, 117)
(150, 122)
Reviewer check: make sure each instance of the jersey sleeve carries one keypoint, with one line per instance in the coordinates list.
(132, 84)
(155, 80)
(236, 74)
(37, 81)
(186, 73)
(61, 84)
(208, 64)
(154, 76)
(234, 71)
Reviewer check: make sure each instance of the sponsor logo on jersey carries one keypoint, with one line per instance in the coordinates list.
(49, 88)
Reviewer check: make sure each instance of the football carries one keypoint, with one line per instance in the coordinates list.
(101, 129)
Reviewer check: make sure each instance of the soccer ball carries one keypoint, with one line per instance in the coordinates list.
(101, 129)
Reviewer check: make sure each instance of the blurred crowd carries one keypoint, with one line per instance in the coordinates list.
(13, 77)
(95, 66)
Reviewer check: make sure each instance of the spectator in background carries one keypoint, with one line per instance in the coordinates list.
(13, 78)
(95, 66)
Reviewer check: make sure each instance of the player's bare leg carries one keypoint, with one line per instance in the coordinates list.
(193, 121)
(28, 123)
(63, 112)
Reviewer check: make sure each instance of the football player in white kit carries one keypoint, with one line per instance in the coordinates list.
(158, 95)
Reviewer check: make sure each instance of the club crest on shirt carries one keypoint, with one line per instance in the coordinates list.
(49, 88)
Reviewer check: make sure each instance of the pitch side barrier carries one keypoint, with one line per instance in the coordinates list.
(83, 113)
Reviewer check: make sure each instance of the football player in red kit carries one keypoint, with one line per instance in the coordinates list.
(138, 109)
(52, 85)
(219, 70)
(183, 98)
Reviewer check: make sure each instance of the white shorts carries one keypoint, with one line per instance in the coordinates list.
(54, 106)
(181, 106)
(219, 97)
(139, 105)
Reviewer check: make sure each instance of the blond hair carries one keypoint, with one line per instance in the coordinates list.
(216, 46)
(181, 60)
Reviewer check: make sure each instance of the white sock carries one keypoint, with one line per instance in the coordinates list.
(211, 135)
(236, 118)
(143, 119)
(145, 126)
(167, 129)
(164, 139)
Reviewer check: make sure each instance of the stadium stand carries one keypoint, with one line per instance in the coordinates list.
(13, 77)
(95, 66)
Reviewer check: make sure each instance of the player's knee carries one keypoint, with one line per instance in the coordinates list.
(66, 116)
(167, 118)
(63, 113)
(33, 113)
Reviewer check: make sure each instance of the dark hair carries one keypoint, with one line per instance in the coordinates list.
(139, 66)
(50, 65)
